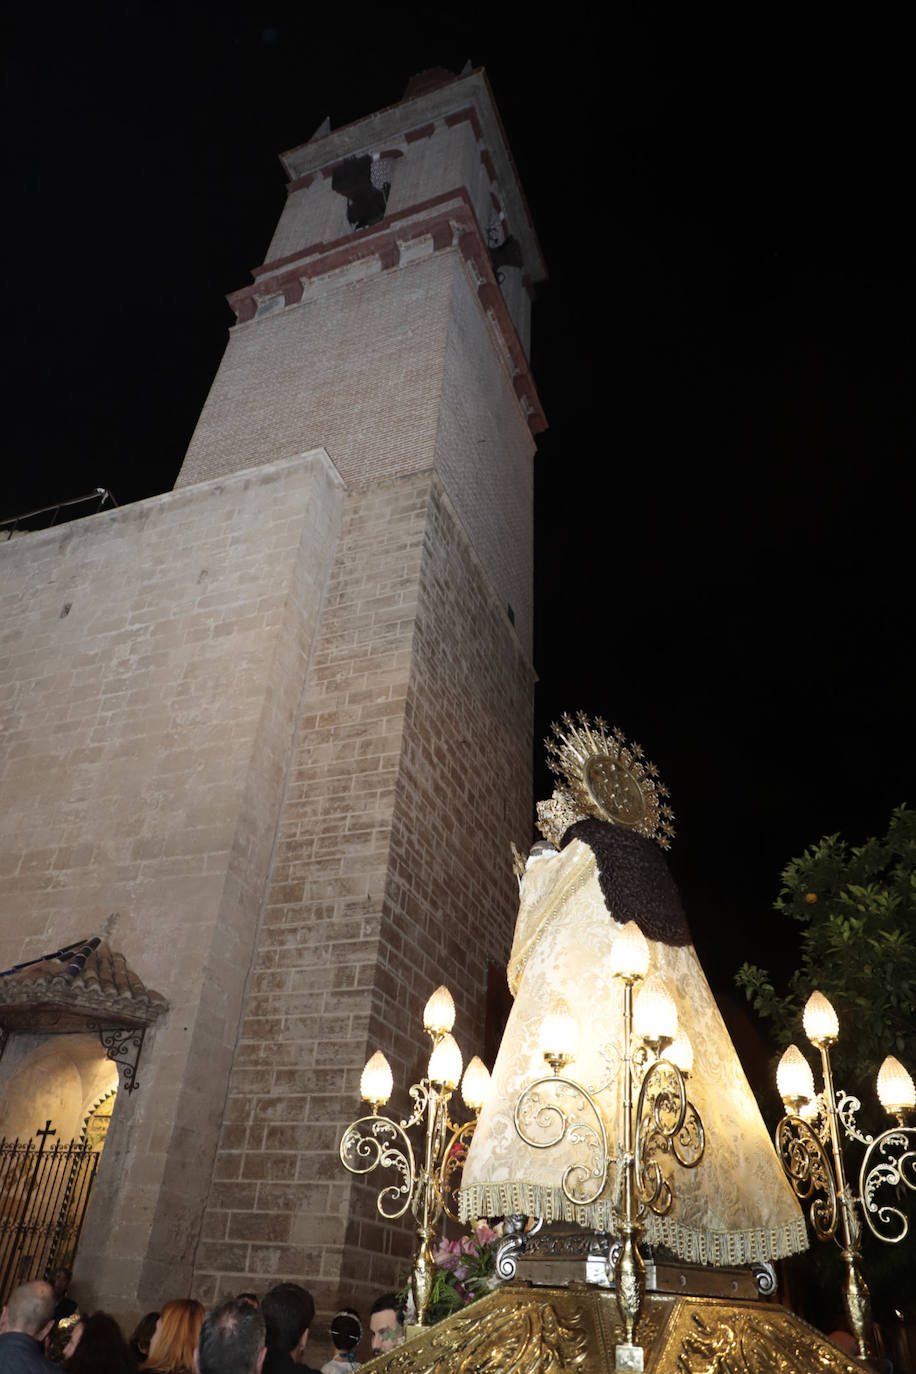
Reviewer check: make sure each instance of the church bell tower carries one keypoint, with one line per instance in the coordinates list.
(269, 734)
(388, 332)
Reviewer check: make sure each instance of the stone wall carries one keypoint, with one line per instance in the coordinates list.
(153, 658)
(411, 774)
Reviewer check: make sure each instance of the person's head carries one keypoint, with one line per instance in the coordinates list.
(143, 1334)
(174, 1341)
(288, 1313)
(96, 1346)
(60, 1280)
(233, 1339)
(346, 1330)
(30, 1309)
(386, 1323)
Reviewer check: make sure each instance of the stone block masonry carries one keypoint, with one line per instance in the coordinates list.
(152, 661)
(280, 719)
(391, 874)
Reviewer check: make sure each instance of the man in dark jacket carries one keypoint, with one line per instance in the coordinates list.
(288, 1313)
(24, 1323)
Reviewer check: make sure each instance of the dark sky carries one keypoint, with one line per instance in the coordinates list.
(724, 351)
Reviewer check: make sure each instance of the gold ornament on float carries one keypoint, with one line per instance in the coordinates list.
(600, 775)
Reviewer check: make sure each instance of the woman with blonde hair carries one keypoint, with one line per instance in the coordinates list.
(172, 1348)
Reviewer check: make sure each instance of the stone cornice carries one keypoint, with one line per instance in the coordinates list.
(438, 225)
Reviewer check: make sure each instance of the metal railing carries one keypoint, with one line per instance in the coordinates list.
(44, 1194)
(44, 516)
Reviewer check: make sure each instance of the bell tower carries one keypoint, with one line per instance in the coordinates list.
(278, 720)
(388, 327)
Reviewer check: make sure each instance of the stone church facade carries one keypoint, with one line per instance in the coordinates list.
(268, 735)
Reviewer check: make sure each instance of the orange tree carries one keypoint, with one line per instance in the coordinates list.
(856, 911)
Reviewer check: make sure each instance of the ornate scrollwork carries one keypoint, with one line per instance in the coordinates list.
(551, 1106)
(764, 1273)
(378, 1142)
(529, 1339)
(846, 1108)
(890, 1161)
(807, 1167)
(666, 1122)
(419, 1092)
(456, 1152)
(512, 1245)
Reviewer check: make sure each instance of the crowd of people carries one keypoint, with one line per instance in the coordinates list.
(42, 1331)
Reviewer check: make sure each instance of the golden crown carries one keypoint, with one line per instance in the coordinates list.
(601, 775)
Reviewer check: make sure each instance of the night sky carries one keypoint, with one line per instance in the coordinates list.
(724, 351)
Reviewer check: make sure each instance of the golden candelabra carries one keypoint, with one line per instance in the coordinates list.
(812, 1125)
(652, 1064)
(378, 1141)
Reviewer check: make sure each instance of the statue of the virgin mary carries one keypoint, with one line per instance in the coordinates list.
(600, 866)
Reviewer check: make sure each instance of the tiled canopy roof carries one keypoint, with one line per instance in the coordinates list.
(82, 983)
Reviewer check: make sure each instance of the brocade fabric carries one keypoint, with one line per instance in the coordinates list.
(735, 1207)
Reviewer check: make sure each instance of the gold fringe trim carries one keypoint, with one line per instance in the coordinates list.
(690, 1244)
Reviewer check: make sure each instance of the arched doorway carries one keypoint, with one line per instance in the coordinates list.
(54, 1115)
(69, 1023)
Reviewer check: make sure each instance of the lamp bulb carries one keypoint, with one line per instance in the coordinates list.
(439, 1012)
(655, 1014)
(820, 1020)
(445, 1063)
(559, 1034)
(794, 1078)
(475, 1085)
(376, 1081)
(630, 953)
(680, 1053)
(896, 1091)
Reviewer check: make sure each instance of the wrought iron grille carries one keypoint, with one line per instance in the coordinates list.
(44, 1193)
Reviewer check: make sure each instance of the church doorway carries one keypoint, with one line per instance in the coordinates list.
(56, 1106)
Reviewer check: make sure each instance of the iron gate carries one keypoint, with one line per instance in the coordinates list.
(44, 1193)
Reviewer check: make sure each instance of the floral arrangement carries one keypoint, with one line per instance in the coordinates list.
(465, 1270)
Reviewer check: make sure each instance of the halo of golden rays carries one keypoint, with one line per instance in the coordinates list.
(608, 778)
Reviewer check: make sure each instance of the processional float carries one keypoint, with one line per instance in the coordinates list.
(642, 1202)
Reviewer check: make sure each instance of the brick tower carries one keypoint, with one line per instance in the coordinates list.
(303, 741)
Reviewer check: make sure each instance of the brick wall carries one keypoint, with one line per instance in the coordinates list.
(357, 369)
(411, 773)
(152, 663)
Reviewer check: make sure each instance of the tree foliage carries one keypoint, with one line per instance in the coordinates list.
(857, 910)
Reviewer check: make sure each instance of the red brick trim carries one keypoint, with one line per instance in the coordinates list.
(424, 131)
(489, 294)
(495, 201)
(460, 116)
(442, 234)
(392, 152)
(488, 164)
(332, 245)
(384, 243)
(473, 250)
(300, 184)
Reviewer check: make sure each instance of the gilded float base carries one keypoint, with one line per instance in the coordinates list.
(534, 1330)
